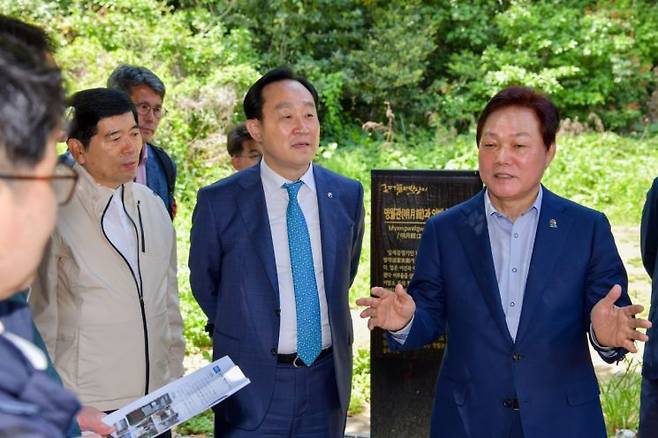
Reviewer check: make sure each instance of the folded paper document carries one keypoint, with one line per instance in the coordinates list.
(178, 401)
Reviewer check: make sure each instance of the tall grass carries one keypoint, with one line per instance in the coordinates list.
(620, 398)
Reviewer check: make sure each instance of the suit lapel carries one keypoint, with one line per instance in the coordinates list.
(474, 236)
(552, 231)
(253, 209)
(327, 211)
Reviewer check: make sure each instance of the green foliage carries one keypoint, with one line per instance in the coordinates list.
(360, 382)
(446, 58)
(201, 424)
(620, 398)
(371, 52)
(606, 172)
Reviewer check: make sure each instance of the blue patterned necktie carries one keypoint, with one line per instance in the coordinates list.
(307, 303)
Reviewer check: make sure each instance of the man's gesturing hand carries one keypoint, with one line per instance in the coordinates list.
(387, 309)
(616, 326)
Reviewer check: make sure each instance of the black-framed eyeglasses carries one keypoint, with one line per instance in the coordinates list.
(143, 108)
(63, 181)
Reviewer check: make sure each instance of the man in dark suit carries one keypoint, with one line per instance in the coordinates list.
(274, 250)
(649, 249)
(517, 277)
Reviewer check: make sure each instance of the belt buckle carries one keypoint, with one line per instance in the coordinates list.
(294, 362)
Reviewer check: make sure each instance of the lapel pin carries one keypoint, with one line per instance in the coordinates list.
(330, 195)
(552, 223)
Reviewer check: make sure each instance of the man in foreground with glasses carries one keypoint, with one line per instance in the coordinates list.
(156, 168)
(106, 297)
(31, 103)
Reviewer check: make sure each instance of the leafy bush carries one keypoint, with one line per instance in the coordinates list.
(446, 58)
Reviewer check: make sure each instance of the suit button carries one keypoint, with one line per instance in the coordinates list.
(517, 356)
(277, 312)
(273, 351)
(507, 403)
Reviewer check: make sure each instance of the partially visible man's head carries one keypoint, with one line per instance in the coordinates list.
(281, 108)
(103, 135)
(146, 91)
(516, 143)
(244, 151)
(31, 105)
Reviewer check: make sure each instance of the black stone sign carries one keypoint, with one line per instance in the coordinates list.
(402, 384)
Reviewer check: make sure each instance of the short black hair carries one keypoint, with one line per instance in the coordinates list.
(31, 93)
(236, 136)
(253, 101)
(546, 112)
(90, 106)
(125, 77)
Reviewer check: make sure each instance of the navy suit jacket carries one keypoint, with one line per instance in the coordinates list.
(233, 277)
(548, 368)
(649, 249)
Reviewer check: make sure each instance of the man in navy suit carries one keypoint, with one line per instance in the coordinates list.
(517, 277)
(274, 250)
(649, 249)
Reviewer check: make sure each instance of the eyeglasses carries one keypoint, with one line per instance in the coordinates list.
(63, 181)
(144, 108)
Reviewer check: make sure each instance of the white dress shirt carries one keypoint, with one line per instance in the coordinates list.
(276, 198)
(121, 231)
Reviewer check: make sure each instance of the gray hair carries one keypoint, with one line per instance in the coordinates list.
(125, 77)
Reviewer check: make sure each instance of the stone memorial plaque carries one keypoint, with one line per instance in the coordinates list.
(402, 384)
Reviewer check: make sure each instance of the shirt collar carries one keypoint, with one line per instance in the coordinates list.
(272, 181)
(144, 154)
(491, 210)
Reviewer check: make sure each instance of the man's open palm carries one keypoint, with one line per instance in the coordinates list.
(387, 309)
(617, 326)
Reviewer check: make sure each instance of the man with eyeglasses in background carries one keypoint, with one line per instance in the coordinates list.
(106, 298)
(32, 400)
(156, 168)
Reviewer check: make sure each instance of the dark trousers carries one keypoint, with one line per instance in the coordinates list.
(304, 405)
(648, 409)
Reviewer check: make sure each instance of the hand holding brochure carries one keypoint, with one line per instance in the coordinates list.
(178, 401)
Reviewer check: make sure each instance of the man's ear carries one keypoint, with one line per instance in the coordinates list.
(255, 129)
(77, 150)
